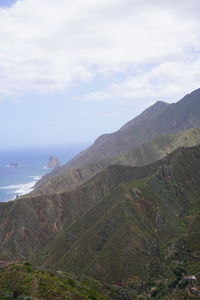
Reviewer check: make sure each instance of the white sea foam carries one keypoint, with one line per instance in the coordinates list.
(21, 189)
(12, 166)
(35, 178)
(46, 168)
(9, 166)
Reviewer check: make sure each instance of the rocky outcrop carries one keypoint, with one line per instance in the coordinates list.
(53, 162)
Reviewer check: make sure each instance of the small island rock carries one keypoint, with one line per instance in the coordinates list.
(13, 165)
(53, 162)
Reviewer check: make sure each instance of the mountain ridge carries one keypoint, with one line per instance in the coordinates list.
(160, 118)
(130, 137)
(70, 179)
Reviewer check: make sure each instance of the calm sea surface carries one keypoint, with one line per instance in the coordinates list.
(32, 164)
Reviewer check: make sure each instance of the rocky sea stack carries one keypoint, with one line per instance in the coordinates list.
(53, 162)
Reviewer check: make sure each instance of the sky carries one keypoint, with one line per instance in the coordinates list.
(71, 70)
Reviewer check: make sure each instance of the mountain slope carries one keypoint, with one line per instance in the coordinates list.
(28, 224)
(173, 118)
(159, 147)
(148, 114)
(159, 119)
(68, 179)
(142, 231)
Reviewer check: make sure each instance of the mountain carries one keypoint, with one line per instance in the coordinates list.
(161, 118)
(148, 114)
(125, 211)
(39, 216)
(142, 232)
(28, 224)
(69, 179)
(141, 235)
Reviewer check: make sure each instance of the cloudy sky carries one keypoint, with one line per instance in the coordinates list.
(71, 70)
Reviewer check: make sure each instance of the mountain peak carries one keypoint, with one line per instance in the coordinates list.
(160, 102)
(149, 113)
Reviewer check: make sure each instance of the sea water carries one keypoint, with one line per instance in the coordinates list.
(31, 166)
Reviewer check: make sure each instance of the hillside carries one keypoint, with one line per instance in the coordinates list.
(37, 218)
(142, 232)
(21, 281)
(29, 223)
(69, 179)
(159, 147)
(161, 118)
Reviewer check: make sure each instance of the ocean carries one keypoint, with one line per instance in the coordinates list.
(31, 166)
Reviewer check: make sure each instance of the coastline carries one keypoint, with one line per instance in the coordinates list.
(21, 188)
(20, 169)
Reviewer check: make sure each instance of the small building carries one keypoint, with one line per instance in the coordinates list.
(191, 278)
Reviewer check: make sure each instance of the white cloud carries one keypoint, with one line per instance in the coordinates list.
(168, 81)
(47, 45)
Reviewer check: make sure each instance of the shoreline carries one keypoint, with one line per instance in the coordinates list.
(21, 188)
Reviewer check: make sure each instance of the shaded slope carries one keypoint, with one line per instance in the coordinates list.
(141, 231)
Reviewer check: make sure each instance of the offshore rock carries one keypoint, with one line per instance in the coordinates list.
(53, 162)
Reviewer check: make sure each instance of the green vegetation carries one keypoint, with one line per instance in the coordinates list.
(141, 231)
(19, 281)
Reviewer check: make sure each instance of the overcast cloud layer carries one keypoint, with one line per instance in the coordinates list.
(48, 45)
